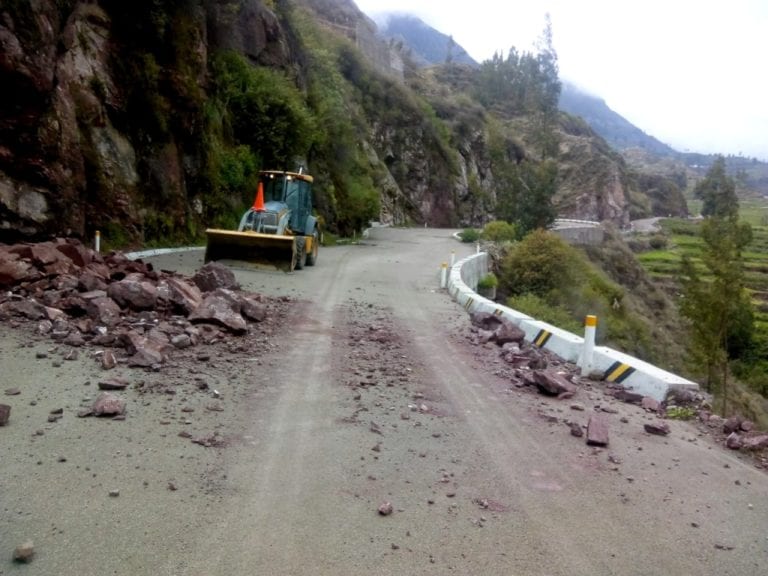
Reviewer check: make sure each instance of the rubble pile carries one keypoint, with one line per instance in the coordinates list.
(133, 313)
(529, 367)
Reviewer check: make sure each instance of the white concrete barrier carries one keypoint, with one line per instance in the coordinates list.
(615, 367)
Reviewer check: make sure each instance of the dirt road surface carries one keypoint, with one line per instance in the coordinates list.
(369, 392)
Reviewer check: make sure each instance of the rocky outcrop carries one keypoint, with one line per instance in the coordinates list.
(97, 133)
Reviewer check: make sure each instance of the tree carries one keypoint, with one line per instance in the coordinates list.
(718, 192)
(718, 307)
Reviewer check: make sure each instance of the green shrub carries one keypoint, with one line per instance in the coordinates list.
(680, 413)
(540, 309)
(499, 231)
(469, 235)
(539, 263)
(658, 241)
(488, 281)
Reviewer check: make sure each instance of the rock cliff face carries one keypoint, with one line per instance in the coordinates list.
(71, 160)
(103, 106)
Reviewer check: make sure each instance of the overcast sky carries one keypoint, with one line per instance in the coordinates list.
(689, 72)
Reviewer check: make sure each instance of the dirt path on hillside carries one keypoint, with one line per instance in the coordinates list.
(366, 392)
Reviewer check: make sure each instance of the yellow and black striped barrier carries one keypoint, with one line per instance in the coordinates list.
(618, 372)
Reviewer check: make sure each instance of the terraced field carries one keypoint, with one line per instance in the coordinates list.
(683, 239)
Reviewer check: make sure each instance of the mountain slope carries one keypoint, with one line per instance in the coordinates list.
(429, 46)
(617, 130)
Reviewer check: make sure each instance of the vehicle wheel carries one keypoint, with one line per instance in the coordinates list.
(312, 256)
(301, 254)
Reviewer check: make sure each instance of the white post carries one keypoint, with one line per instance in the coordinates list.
(590, 327)
(477, 248)
(453, 257)
(444, 275)
(97, 242)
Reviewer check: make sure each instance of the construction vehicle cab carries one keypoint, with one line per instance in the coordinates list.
(278, 230)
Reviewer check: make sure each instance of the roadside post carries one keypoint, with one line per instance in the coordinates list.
(590, 327)
(444, 275)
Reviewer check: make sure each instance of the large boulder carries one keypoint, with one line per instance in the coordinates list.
(134, 294)
(103, 311)
(508, 332)
(214, 275)
(221, 307)
(553, 383)
(181, 295)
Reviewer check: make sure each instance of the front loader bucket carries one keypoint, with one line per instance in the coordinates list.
(252, 249)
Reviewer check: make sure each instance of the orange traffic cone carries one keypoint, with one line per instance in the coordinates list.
(258, 204)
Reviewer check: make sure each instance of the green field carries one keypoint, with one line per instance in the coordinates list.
(683, 239)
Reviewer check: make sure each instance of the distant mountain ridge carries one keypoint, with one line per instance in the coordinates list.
(428, 46)
(619, 132)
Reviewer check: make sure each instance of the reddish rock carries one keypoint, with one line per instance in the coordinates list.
(76, 252)
(732, 424)
(576, 429)
(25, 552)
(74, 339)
(45, 254)
(485, 321)
(13, 271)
(628, 397)
(597, 430)
(133, 294)
(54, 314)
(182, 295)
(756, 442)
(113, 384)
(747, 426)
(214, 275)
(29, 309)
(485, 336)
(508, 332)
(253, 310)
(108, 404)
(221, 307)
(385, 508)
(90, 282)
(553, 383)
(108, 360)
(5, 414)
(650, 404)
(734, 441)
(658, 428)
(145, 352)
(103, 311)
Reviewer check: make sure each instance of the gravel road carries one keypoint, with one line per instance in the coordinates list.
(366, 391)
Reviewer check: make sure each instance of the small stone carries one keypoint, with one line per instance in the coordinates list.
(650, 404)
(576, 429)
(113, 384)
(385, 508)
(114, 493)
(12, 392)
(659, 428)
(597, 431)
(734, 441)
(577, 406)
(25, 552)
(5, 414)
(108, 360)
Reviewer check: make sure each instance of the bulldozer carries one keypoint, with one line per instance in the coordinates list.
(278, 231)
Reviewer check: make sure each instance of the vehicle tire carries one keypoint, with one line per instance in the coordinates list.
(301, 254)
(312, 256)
